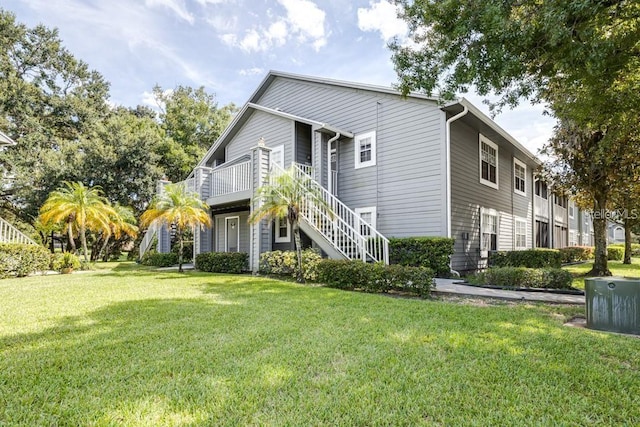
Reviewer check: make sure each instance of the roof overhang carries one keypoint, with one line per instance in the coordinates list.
(457, 106)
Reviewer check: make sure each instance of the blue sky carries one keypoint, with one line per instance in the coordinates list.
(229, 45)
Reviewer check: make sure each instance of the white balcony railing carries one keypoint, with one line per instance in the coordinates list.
(231, 179)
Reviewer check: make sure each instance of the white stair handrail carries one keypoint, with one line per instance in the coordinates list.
(10, 234)
(148, 238)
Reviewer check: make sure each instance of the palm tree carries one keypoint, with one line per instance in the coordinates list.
(123, 221)
(176, 205)
(283, 198)
(80, 208)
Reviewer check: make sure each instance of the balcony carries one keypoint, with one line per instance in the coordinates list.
(227, 184)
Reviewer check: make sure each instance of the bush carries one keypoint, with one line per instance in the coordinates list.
(357, 275)
(65, 260)
(17, 259)
(615, 253)
(576, 253)
(223, 262)
(285, 263)
(635, 249)
(431, 252)
(530, 258)
(523, 277)
(156, 259)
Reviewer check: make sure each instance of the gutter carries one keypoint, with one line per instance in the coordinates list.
(464, 111)
(329, 177)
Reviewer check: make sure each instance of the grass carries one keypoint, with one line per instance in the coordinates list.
(131, 346)
(617, 269)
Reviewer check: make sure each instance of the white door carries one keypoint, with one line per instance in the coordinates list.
(232, 233)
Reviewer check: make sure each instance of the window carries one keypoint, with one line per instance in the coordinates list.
(488, 162)
(283, 231)
(542, 234)
(541, 189)
(277, 156)
(560, 236)
(489, 230)
(365, 149)
(560, 201)
(521, 234)
(519, 177)
(572, 206)
(573, 239)
(368, 216)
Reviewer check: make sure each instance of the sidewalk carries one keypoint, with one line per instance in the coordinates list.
(447, 286)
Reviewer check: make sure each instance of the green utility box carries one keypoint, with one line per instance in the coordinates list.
(613, 304)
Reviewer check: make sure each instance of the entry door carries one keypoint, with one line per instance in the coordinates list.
(232, 234)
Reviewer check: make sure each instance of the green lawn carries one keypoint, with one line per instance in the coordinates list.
(617, 269)
(129, 346)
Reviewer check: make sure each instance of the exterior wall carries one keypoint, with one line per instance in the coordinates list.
(468, 196)
(303, 143)
(220, 230)
(406, 183)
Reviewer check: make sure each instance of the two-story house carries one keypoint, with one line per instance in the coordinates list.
(388, 165)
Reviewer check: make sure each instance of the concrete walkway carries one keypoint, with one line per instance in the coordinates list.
(448, 286)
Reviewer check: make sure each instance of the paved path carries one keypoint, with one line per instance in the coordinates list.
(447, 286)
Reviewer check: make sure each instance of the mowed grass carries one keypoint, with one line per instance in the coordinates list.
(129, 346)
(617, 269)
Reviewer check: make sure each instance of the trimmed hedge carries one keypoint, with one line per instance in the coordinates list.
(530, 258)
(17, 259)
(635, 248)
(576, 253)
(522, 277)
(431, 252)
(156, 259)
(223, 262)
(374, 278)
(285, 263)
(615, 253)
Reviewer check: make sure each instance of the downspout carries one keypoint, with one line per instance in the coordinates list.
(448, 163)
(329, 177)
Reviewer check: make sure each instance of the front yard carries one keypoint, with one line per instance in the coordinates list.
(128, 346)
(617, 269)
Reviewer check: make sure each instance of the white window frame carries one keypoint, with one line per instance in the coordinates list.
(516, 163)
(278, 151)
(521, 222)
(484, 253)
(226, 237)
(573, 239)
(287, 238)
(484, 140)
(374, 216)
(356, 145)
(571, 208)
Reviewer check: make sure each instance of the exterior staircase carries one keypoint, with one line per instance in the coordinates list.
(336, 228)
(10, 234)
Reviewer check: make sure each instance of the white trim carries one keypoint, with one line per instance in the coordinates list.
(287, 238)
(484, 253)
(278, 151)
(571, 209)
(373, 210)
(483, 139)
(520, 221)
(226, 237)
(517, 162)
(356, 145)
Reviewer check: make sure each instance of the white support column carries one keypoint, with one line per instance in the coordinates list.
(260, 162)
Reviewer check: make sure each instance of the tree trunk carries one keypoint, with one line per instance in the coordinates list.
(72, 243)
(627, 240)
(104, 246)
(600, 264)
(298, 241)
(53, 243)
(83, 239)
(180, 247)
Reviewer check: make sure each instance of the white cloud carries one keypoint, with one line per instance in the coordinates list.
(251, 71)
(277, 33)
(307, 20)
(382, 17)
(252, 41)
(177, 6)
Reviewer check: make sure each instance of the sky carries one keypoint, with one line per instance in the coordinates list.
(228, 46)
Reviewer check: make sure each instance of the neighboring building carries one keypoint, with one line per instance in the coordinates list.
(390, 166)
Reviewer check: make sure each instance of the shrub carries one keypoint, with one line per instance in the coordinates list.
(635, 249)
(17, 259)
(285, 263)
(223, 262)
(530, 258)
(156, 259)
(431, 252)
(357, 275)
(615, 253)
(576, 253)
(65, 260)
(523, 277)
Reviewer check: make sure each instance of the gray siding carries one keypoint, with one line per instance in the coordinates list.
(275, 131)
(220, 230)
(406, 184)
(303, 143)
(468, 195)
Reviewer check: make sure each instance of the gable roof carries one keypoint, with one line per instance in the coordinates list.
(5, 140)
(246, 112)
